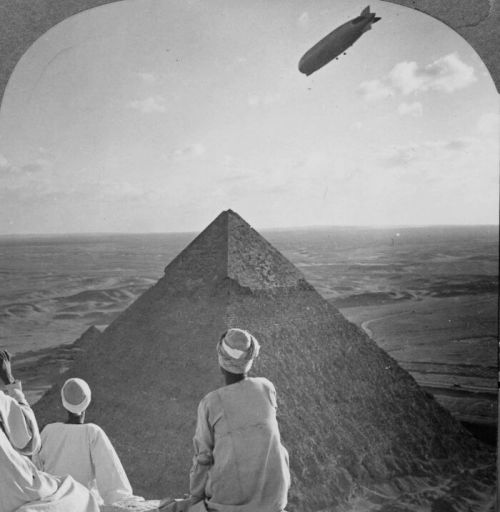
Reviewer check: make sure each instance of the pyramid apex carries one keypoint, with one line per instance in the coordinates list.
(223, 216)
(231, 213)
(230, 248)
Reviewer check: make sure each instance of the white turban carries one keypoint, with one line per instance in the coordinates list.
(75, 395)
(237, 350)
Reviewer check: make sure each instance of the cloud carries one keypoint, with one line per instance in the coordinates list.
(303, 20)
(9, 170)
(399, 156)
(264, 100)
(235, 178)
(111, 190)
(457, 144)
(411, 109)
(149, 105)
(149, 78)
(189, 152)
(103, 191)
(36, 166)
(489, 124)
(231, 171)
(4, 163)
(446, 74)
(448, 177)
(313, 160)
(431, 153)
(373, 90)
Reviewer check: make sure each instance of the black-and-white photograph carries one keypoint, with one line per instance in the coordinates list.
(249, 256)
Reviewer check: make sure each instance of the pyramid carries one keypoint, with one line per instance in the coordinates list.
(348, 414)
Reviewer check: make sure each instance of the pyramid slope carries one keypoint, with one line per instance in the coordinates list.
(348, 413)
(254, 263)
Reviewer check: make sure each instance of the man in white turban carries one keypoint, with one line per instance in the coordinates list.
(83, 450)
(239, 463)
(23, 488)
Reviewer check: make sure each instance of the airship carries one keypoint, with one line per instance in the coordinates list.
(336, 42)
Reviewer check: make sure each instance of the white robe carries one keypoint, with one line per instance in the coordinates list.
(22, 487)
(86, 453)
(240, 464)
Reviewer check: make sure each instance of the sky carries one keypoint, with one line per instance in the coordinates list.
(156, 115)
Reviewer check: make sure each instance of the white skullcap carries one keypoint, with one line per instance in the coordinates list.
(75, 395)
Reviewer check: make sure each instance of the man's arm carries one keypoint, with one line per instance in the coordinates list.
(17, 419)
(111, 479)
(203, 442)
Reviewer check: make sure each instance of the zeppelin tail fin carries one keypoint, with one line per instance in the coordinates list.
(372, 19)
(365, 11)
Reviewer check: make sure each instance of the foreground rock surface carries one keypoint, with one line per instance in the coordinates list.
(351, 418)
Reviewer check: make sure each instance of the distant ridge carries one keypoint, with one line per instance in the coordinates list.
(350, 416)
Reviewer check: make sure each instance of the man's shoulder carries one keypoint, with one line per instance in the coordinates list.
(95, 433)
(53, 426)
(57, 427)
(258, 382)
(92, 427)
(210, 396)
(266, 388)
(263, 382)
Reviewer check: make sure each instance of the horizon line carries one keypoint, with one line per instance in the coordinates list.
(275, 228)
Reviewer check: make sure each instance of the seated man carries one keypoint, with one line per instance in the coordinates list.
(239, 464)
(22, 487)
(83, 450)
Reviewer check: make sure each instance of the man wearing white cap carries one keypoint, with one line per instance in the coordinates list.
(239, 463)
(83, 450)
(23, 488)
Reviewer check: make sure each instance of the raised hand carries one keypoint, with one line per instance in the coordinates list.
(5, 369)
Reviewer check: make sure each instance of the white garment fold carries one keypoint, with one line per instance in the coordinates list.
(69, 497)
(239, 463)
(23, 488)
(86, 453)
(17, 419)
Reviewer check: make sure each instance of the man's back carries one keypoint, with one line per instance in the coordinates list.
(22, 486)
(250, 466)
(86, 453)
